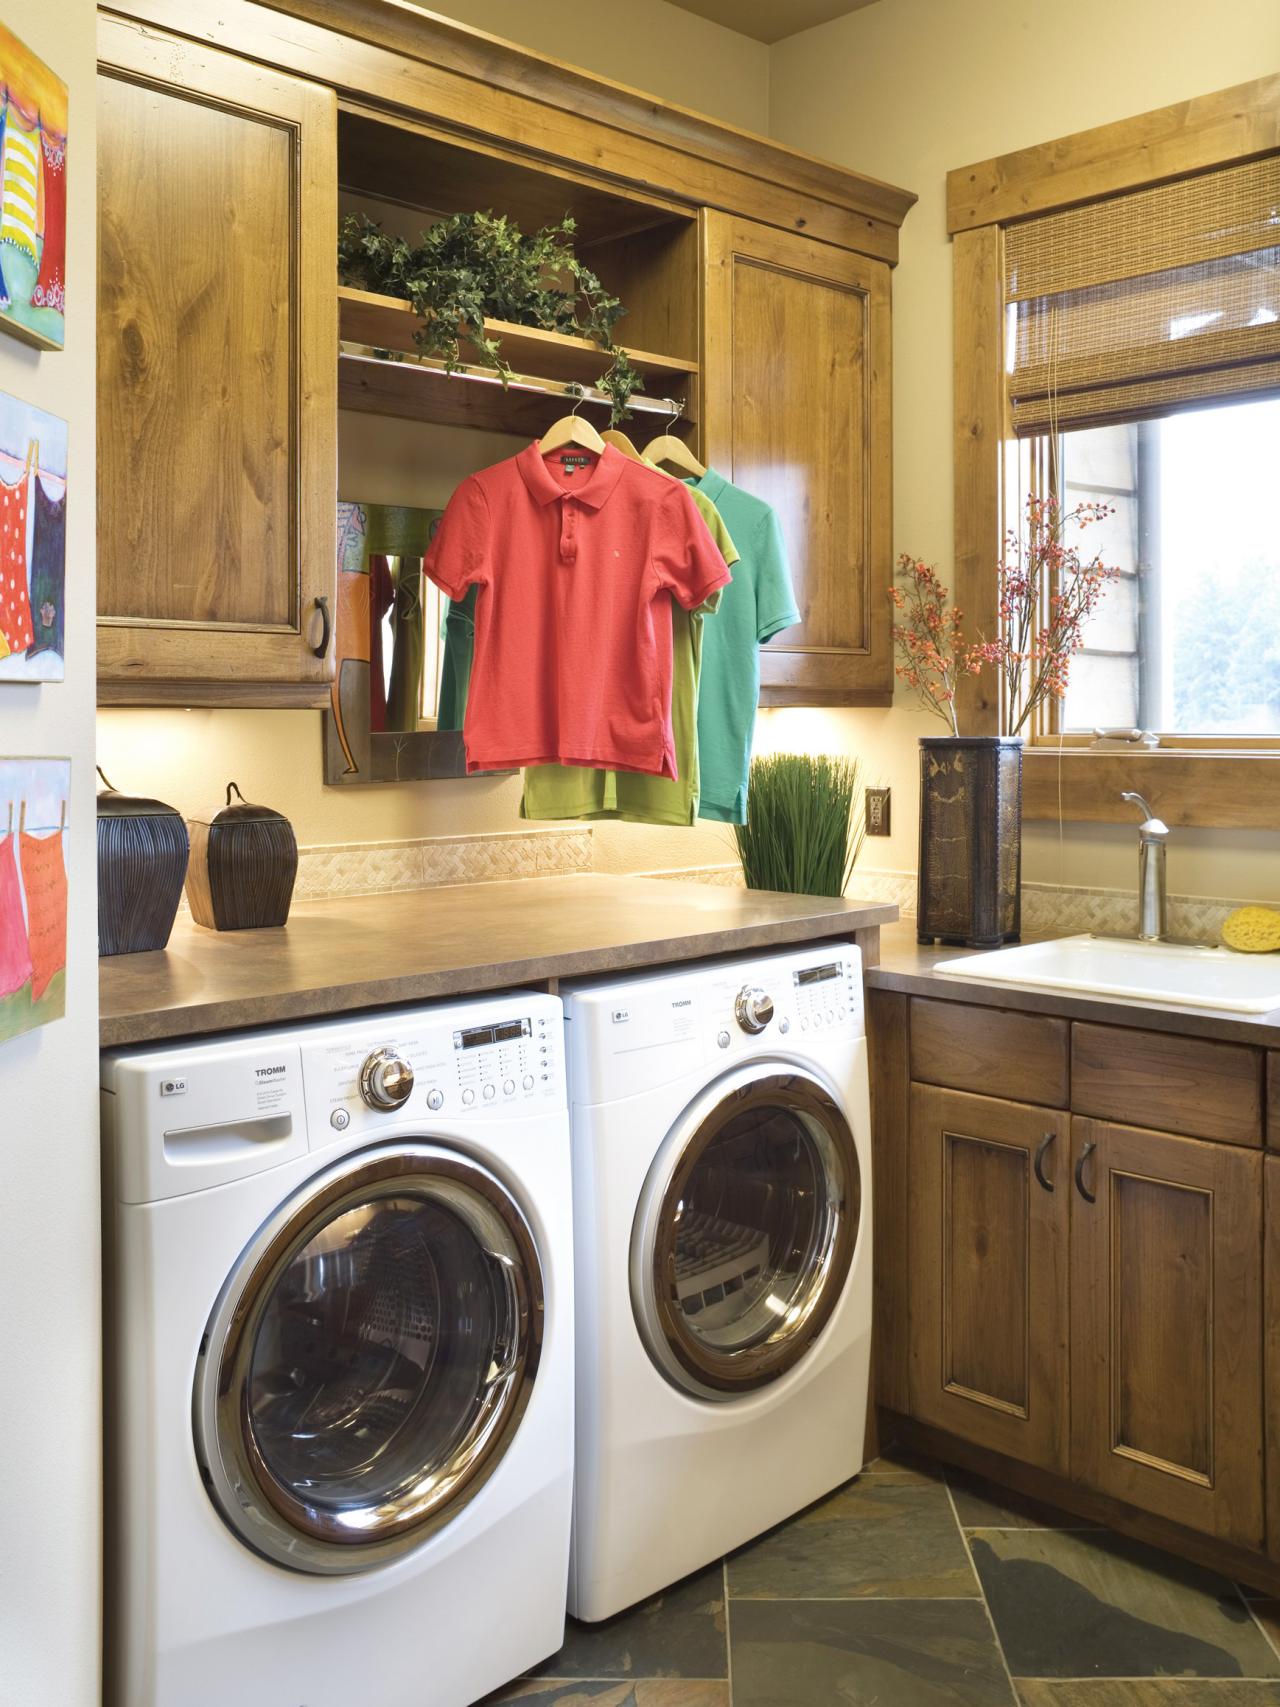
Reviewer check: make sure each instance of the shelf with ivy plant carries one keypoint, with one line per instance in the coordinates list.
(478, 298)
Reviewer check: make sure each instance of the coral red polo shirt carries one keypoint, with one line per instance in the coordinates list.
(577, 558)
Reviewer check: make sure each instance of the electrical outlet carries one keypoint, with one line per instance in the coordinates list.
(877, 811)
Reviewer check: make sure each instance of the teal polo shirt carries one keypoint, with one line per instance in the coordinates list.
(757, 603)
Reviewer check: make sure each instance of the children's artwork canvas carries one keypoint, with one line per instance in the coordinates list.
(33, 196)
(33, 542)
(33, 893)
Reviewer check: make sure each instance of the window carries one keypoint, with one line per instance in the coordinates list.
(1117, 340)
(1187, 642)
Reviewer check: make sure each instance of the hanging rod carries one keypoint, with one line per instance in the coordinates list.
(638, 403)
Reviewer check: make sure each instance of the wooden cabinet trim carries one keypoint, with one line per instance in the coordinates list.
(1222, 1495)
(477, 85)
(1271, 1346)
(891, 1176)
(1191, 1086)
(1273, 1098)
(991, 1052)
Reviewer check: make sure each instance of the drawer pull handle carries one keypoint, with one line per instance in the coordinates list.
(322, 605)
(1084, 1191)
(1041, 1149)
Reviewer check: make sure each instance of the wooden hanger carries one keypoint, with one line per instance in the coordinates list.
(620, 441)
(571, 429)
(675, 453)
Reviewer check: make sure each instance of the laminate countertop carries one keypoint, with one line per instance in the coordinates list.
(374, 950)
(908, 965)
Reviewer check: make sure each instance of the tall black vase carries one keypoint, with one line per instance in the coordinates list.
(970, 889)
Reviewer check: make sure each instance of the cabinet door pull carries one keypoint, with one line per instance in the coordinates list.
(1041, 1148)
(322, 605)
(1085, 1153)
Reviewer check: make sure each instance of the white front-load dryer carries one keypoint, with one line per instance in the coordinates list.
(340, 1359)
(722, 1222)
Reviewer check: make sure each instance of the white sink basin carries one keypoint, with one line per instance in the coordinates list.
(1147, 971)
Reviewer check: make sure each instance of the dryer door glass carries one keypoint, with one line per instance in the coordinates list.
(755, 1236)
(369, 1359)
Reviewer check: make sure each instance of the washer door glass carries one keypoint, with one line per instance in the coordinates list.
(752, 1242)
(369, 1359)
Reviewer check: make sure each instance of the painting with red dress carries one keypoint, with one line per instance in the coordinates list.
(33, 537)
(33, 893)
(33, 196)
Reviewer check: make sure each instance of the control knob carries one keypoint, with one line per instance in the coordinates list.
(753, 1008)
(386, 1080)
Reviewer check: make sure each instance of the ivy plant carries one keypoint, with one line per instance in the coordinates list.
(477, 266)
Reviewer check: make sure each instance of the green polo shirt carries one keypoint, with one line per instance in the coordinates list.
(574, 791)
(754, 606)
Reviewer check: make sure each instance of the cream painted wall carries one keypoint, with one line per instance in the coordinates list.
(50, 1437)
(646, 43)
(905, 91)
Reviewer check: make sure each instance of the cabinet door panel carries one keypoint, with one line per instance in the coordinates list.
(217, 399)
(1166, 1381)
(989, 1273)
(1271, 1348)
(796, 377)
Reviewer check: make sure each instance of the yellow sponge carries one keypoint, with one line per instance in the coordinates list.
(1253, 930)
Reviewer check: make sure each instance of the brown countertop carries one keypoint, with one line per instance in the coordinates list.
(374, 950)
(908, 965)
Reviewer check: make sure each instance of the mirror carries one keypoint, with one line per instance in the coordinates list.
(402, 654)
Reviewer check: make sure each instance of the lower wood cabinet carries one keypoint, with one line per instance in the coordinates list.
(989, 1272)
(1166, 1326)
(1086, 1298)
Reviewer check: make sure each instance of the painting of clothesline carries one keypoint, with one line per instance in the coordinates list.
(33, 196)
(33, 892)
(33, 542)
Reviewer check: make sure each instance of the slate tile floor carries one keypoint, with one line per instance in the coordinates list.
(918, 1587)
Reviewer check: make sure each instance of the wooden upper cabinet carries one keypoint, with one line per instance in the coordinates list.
(1166, 1326)
(217, 335)
(990, 1209)
(796, 409)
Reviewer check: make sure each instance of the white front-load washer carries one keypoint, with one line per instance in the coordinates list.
(340, 1359)
(722, 1221)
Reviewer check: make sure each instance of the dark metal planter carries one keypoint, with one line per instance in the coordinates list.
(970, 891)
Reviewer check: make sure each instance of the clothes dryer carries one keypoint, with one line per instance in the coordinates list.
(722, 1209)
(340, 1359)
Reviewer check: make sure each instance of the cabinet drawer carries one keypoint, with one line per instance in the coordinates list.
(990, 1051)
(1186, 1085)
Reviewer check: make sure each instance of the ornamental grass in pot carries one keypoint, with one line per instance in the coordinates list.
(802, 836)
(970, 873)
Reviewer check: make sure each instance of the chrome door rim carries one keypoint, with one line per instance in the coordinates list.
(681, 1356)
(265, 1514)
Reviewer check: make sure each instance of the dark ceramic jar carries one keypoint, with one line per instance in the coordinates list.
(142, 860)
(243, 864)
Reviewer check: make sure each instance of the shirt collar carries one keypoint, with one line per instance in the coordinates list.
(544, 488)
(711, 485)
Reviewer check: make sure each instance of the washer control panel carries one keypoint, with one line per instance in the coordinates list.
(497, 1064)
(823, 997)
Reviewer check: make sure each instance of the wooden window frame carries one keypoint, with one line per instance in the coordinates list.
(1204, 781)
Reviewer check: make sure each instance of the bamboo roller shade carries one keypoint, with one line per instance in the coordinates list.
(1146, 301)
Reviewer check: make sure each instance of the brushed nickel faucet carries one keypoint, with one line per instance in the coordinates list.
(1152, 838)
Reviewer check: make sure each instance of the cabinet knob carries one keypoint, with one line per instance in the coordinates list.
(326, 632)
(1081, 1187)
(1041, 1149)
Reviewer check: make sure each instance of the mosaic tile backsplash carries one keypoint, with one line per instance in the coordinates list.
(370, 868)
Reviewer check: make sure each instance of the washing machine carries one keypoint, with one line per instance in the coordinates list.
(339, 1347)
(722, 1219)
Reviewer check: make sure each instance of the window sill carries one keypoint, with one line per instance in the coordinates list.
(1223, 790)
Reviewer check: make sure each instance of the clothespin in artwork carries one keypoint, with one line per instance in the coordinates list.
(22, 817)
(62, 818)
(9, 831)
